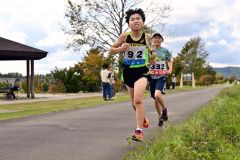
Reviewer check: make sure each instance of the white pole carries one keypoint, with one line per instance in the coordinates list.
(193, 80)
(181, 81)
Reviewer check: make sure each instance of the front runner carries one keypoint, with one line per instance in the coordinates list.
(135, 46)
(159, 72)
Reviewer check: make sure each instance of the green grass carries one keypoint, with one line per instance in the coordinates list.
(213, 133)
(35, 108)
(29, 109)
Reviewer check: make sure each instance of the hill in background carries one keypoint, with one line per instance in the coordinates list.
(229, 71)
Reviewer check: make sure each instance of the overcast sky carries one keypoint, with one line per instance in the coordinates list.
(37, 23)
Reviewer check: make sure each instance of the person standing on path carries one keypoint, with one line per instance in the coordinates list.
(135, 46)
(159, 72)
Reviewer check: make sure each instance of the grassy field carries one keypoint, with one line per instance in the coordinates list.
(213, 133)
(35, 108)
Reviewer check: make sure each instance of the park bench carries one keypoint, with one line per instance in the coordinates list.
(4, 90)
(6, 93)
(8, 90)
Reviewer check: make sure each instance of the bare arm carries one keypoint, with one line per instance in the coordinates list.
(119, 45)
(170, 65)
(149, 42)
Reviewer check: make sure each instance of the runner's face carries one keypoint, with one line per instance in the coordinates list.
(157, 40)
(135, 22)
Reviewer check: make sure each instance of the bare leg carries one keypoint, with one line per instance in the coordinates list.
(159, 99)
(139, 89)
(131, 93)
(158, 107)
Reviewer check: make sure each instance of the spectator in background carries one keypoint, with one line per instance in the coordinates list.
(106, 88)
(173, 82)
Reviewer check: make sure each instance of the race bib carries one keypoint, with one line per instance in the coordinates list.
(158, 69)
(135, 56)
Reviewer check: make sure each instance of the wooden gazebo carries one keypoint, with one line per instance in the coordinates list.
(10, 50)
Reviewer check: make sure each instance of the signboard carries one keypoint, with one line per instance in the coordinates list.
(187, 77)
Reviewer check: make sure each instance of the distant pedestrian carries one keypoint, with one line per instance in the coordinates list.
(106, 88)
(173, 82)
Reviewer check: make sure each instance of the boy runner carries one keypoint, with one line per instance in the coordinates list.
(159, 71)
(135, 46)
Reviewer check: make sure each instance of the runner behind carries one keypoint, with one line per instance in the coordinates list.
(159, 72)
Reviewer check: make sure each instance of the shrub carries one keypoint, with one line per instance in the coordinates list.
(57, 88)
(45, 86)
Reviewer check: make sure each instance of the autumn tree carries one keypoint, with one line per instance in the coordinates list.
(208, 78)
(83, 76)
(178, 66)
(91, 67)
(219, 78)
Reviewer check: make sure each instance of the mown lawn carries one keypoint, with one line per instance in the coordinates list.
(35, 108)
(29, 109)
(213, 133)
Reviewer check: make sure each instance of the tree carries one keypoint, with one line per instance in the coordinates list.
(91, 67)
(98, 23)
(219, 78)
(178, 66)
(12, 75)
(193, 55)
(84, 76)
(67, 78)
(210, 71)
(232, 78)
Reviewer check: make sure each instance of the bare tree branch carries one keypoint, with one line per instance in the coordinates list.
(100, 22)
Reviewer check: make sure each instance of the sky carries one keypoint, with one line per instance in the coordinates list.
(38, 23)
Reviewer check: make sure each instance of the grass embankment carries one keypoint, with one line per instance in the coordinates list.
(213, 133)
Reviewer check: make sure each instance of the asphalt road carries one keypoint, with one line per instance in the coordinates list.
(89, 134)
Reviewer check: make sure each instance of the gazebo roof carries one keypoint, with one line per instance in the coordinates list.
(10, 50)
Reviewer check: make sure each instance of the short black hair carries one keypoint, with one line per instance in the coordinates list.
(105, 66)
(134, 11)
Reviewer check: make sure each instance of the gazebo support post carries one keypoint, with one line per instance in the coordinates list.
(27, 80)
(32, 78)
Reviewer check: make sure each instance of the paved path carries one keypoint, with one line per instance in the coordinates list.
(97, 133)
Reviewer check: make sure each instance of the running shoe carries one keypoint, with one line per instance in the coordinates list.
(138, 136)
(164, 116)
(145, 123)
(160, 122)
